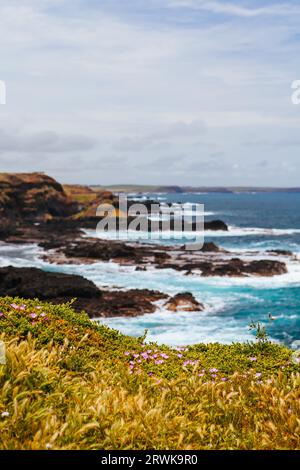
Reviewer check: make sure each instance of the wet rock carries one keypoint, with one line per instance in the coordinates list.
(33, 282)
(211, 247)
(185, 302)
(216, 225)
(280, 252)
(131, 303)
(266, 268)
(234, 267)
(59, 288)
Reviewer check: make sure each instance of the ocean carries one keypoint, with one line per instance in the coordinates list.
(257, 222)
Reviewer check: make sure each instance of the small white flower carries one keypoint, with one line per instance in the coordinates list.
(48, 446)
(5, 414)
(296, 357)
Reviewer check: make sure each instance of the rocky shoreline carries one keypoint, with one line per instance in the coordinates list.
(39, 210)
(57, 288)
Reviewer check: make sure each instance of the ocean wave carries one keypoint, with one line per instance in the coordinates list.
(158, 217)
(182, 328)
(234, 231)
(221, 296)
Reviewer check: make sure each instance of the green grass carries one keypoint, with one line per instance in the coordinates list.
(72, 384)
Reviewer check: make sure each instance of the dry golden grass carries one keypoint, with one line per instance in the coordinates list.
(44, 405)
(71, 384)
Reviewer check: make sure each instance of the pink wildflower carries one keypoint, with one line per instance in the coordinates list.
(15, 306)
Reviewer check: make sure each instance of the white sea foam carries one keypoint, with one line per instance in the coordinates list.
(234, 231)
(173, 234)
(180, 215)
(182, 328)
(218, 294)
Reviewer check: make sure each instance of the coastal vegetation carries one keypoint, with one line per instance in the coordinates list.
(70, 383)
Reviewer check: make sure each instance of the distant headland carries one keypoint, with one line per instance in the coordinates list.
(135, 188)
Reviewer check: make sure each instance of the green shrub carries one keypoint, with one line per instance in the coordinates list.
(70, 383)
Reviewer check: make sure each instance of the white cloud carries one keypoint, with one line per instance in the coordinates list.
(230, 8)
(103, 84)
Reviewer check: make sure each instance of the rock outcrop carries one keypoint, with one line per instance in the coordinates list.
(281, 252)
(59, 288)
(184, 302)
(236, 267)
(31, 198)
(88, 200)
(216, 225)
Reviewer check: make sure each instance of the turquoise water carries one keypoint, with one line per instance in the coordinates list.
(261, 222)
(258, 222)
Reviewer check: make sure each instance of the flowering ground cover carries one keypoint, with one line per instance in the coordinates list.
(69, 383)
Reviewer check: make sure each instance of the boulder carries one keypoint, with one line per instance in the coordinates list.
(185, 302)
(216, 225)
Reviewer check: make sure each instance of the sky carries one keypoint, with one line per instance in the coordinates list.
(171, 92)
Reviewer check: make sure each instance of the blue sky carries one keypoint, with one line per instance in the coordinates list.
(191, 92)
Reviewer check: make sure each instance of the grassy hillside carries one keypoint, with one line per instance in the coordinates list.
(70, 384)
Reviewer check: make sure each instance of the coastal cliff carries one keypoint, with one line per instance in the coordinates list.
(31, 197)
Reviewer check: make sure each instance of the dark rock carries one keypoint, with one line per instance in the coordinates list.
(215, 225)
(58, 288)
(281, 252)
(33, 282)
(129, 303)
(105, 250)
(211, 247)
(266, 268)
(99, 250)
(184, 302)
(236, 267)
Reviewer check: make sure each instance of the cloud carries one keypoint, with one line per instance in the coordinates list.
(161, 138)
(115, 91)
(43, 142)
(229, 8)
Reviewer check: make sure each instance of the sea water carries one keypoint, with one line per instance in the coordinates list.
(257, 222)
